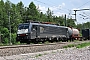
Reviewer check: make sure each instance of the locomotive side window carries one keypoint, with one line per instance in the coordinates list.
(34, 28)
(41, 29)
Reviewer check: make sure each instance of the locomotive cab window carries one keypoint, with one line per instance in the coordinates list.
(23, 26)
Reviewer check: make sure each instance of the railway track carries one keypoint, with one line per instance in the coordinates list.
(30, 45)
(22, 49)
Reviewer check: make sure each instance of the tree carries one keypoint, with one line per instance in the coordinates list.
(49, 14)
(16, 16)
(71, 23)
(20, 10)
(1, 12)
(32, 12)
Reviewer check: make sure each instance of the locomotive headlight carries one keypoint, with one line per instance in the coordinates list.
(18, 30)
(18, 34)
(26, 34)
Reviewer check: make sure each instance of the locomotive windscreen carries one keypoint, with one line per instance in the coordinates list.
(23, 26)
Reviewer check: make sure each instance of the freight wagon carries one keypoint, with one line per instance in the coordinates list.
(86, 34)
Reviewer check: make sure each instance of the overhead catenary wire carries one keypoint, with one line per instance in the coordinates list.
(84, 4)
(85, 16)
(42, 2)
(81, 9)
(49, 5)
(84, 12)
(69, 11)
(61, 9)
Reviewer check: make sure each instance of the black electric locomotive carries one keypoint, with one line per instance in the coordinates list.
(36, 32)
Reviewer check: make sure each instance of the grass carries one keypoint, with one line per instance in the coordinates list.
(46, 42)
(1, 44)
(83, 45)
(38, 55)
(78, 45)
(8, 44)
(69, 46)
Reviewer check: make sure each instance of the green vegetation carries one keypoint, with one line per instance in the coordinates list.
(38, 55)
(46, 42)
(69, 46)
(83, 45)
(78, 45)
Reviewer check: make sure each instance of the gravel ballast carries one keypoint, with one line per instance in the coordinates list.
(59, 54)
(5, 51)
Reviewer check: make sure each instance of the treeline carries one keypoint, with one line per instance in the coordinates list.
(13, 14)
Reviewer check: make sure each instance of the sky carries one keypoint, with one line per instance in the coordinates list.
(62, 7)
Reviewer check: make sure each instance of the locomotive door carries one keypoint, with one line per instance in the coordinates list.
(34, 31)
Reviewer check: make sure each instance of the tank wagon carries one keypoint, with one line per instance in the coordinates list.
(40, 32)
(75, 34)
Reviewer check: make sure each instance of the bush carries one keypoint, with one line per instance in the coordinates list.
(5, 37)
(13, 38)
(6, 41)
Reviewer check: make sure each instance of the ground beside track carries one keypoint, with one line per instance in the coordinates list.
(36, 48)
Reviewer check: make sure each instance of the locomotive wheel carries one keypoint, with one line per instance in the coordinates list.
(36, 40)
(28, 42)
(21, 42)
